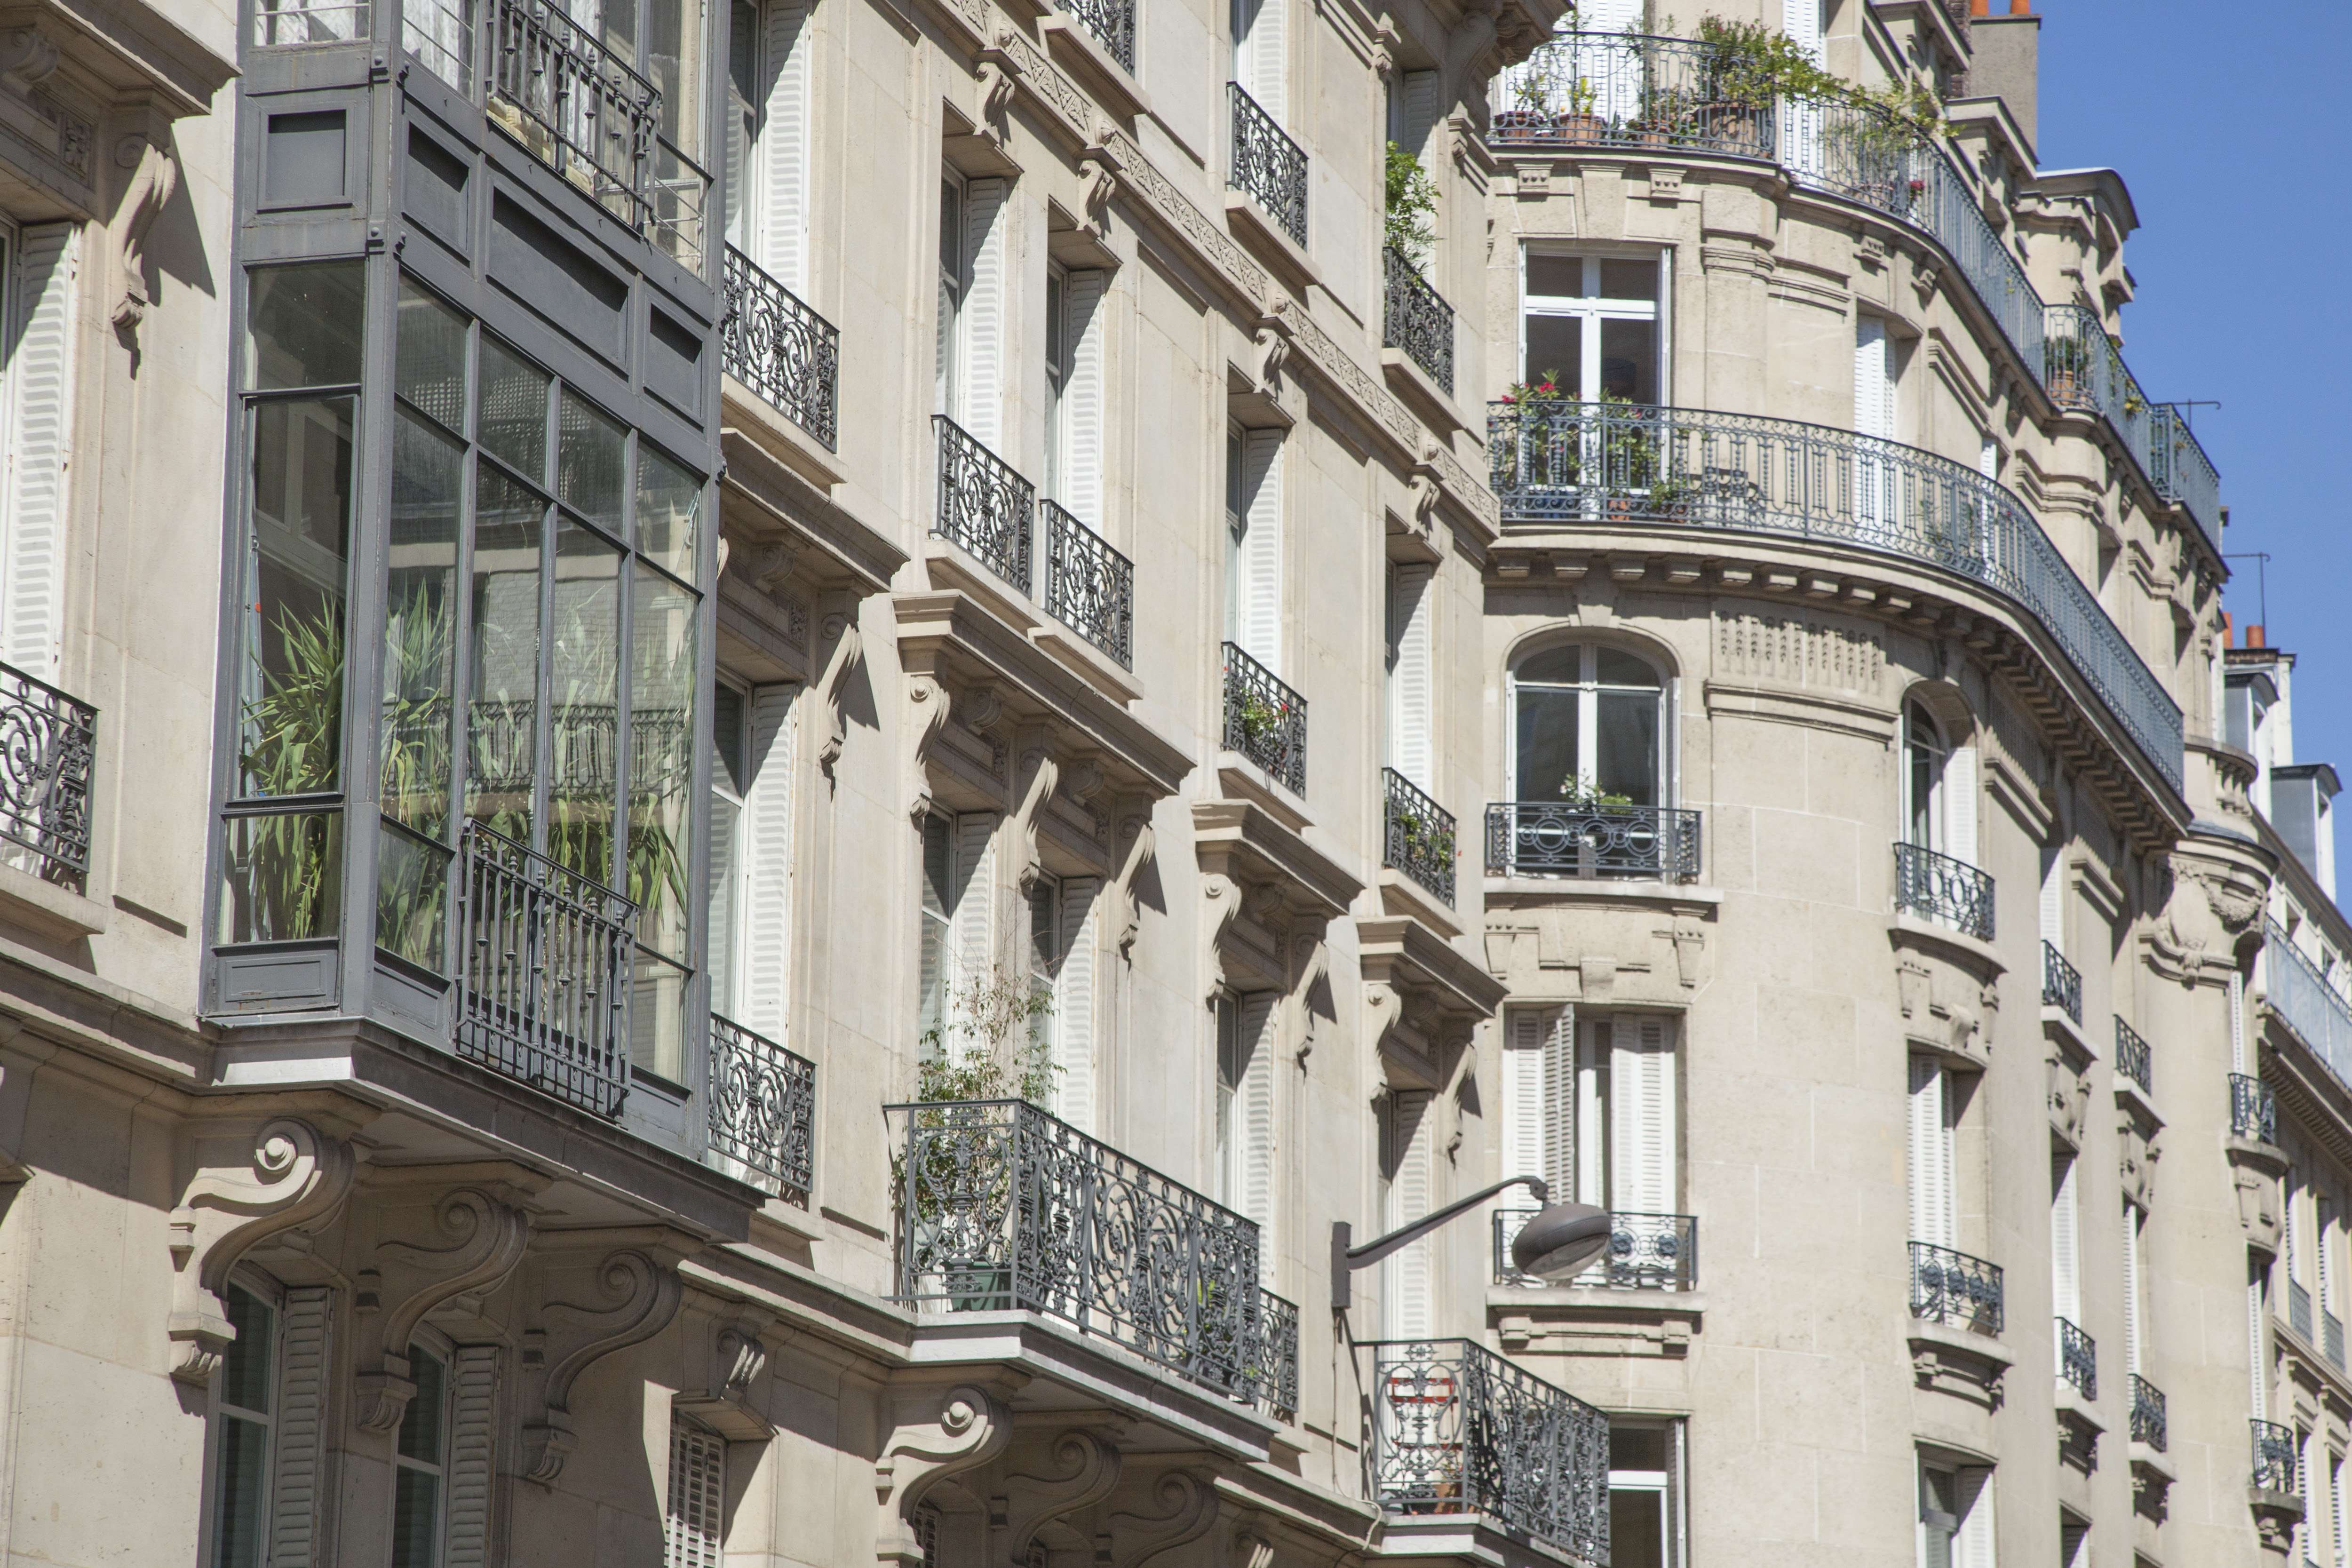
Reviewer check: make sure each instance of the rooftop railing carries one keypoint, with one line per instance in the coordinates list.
(1456, 1430)
(1414, 318)
(1646, 1252)
(1004, 1208)
(2134, 1057)
(47, 742)
(1557, 461)
(1089, 586)
(780, 349)
(762, 1110)
(1267, 167)
(1265, 719)
(1954, 1288)
(1558, 838)
(2082, 368)
(1418, 836)
(1617, 90)
(984, 505)
(2078, 1359)
(2062, 983)
(1946, 890)
(2146, 1413)
(2302, 997)
(2254, 1109)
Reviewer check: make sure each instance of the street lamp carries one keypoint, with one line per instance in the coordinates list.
(1560, 1243)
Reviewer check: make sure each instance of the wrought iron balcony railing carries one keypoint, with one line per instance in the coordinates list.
(1948, 891)
(1416, 320)
(1089, 586)
(1265, 719)
(47, 742)
(1646, 1252)
(2146, 1413)
(1004, 1208)
(1456, 1430)
(2134, 1059)
(1112, 24)
(762, 1116)
(1267, 167)
(2254, 1109)
(780, 349)
(2276, 1465)
(2180, 470)
(544, 964)
(575, 105)
(1619, 89)
(2078, 1359)
(1555, 838)
(985, 506)
(2082, 368)
(2303, 998)
(1418, 840)
(1955, 1289)
(1554, 461)
(2062, 983)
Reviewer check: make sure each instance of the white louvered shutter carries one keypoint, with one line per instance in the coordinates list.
(2053, 899)
(785, 145)
(723, 950)
(1641, 1116)
(1082, 399)
(1972, 1546)
(2065, 1246)
(982, 320)
(1261, 559)
(1587, 1150)
(2134, 1332)
(763, 959)
(1254, 1109)
(1930, 1155)
(473, 1449)
(1267, 54)
(1960, 805)
(695, 1533)
(1874, 419)
(1417, 112)
(40, 455)
(1405, 1296)
(2255, 1359)
(1410, 724)
(1525, 1106)
(297, 1462)
(1801, 20)
(1074, 1005)
(974, 920)
(2236, 1022)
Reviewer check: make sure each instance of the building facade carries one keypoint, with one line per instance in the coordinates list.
(899, 705)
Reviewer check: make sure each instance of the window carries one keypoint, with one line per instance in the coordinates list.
(1254, 543)
(1410, 677)
(245, 1405)
(1924, 756)
(421, 1465)
(1935, 1116)
(1242, 1173)
(2135, 1291)
(2054, 896)
(2065, 1243)
(1057, 376)
(970, 307)
(750, 854)
(767, 150)
(1590, 722)
(38, 268)
(1954, 1517)
(1226, 1167)
(955, 952)
(1591, 324)
(1594, 1099)
(949, 345)
(1258, 52)
(1645, 1486)
(694, 1519)
(1061, 973)
(1408, 1165)
(1877, 479)
(2074, 1544)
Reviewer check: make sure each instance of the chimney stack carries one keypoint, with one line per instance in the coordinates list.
(2255, 636)
(2008, 64)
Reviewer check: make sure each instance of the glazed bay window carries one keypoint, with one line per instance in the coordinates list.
(1590, 326)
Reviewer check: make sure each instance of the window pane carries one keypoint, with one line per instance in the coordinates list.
(412, 897)
(585, 676)
(1629, 279)
(246, 1366)
(502, 710)
(420, 1424)
(420, 637)
(291, 677)
(1637, 1528)
(674, 62)
(244, 1472)
(1615, 667)
(1560, 277)
(1628, 763)
(513, 423)
(658, 1017)
(416, 1519)
(726, 833)
(669, 505)
(1637, 1448)
(280, 875)
(1547, 743)
(1558, 666)
(303, 324)
(931, 962)
(1629, 361)
(591, 466)
(429, 364)
(661, 756)
(1556, 353)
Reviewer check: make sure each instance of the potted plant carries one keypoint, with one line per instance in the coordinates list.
(1578, 122)
(1532, 441)
(1530, 116)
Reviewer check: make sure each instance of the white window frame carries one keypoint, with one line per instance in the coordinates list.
(1668, 1485)
(724, 938)
(1061, 361)
(954, 286)
(1924, 818)
(1236, 529)
(1589, 689)
(1592, 309)
(437, 1531)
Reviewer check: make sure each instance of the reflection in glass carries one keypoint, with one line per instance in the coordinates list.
(1556, 353)
(302, 325)
(591, 466)
(1547, 743)
(513, 417)
(290, 678)
(1628, 760)
(279, 873)
(661, 763)
(658, 1017)
(412, 897)
(669, 505)
(1629, 279)
(585, 680)
(429, 359)
(1629, 361)
(502, 708)
(674, 62)
(419, 1466)
(420, 634)
(1560, 277)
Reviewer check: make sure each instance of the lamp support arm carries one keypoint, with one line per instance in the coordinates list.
(1346, 1259)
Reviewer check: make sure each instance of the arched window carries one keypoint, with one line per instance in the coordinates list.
(1589, 722)
(1924, 755)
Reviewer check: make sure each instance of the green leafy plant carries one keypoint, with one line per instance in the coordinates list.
(1424, 840)
(1410, 224)
(1260, 718)
(291, 744)
(989, 1043)
(1575, 792)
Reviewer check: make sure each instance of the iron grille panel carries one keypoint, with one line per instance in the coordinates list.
(1265, 719)
(1553, 838)
(47, 742)
(1414, 318)
(763, 1108)
(2146, 1413)
(2300, 994)
(2078, 1359)
(1646, 1252)
(2062, 983)
(2134, 1057)
(1112, 24)
(2277, 1467)
(780, 349)
(1941, 889)
(985, 506)
(2254, 1109)
(576, 106)
(1953, 1289)
(1089, 586)
(1268, 167)
(1621, 90)
(1419, 838)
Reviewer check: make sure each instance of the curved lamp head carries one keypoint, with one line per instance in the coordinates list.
(1561, 1241)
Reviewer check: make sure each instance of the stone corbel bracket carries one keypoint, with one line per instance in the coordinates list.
(280, 1180)
(154, 175)
(408, 1281)
(937, 1433)
(1044, 773)
(647, 1291)
(1127, 914)
(1223, 897)
(1187, 1508)
(1313, 955)
(1084, 1469)
(932, 702)
(739, 1354)
(831, 688)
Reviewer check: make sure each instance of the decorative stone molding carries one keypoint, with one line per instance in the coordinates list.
(154, 175)
(1311, 959)
(2070, 1089)
(280, 1182)
(1078, 1471)
(848, 648)
(2257, 1169)
(407, 1281)
(2208, 919)
(2139, 1147)
(2277, 1514)
(1187, 1508)
(1126, 915)
(2079, 1428)
(1968, 1366)
(737, 1355)
(1045, 772)
(640, 1295)
(1223, 896)
(932, 703)
(935, 1432)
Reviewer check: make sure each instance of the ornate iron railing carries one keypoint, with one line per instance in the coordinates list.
(1646, 1252)
(762, 1100)
(2082, 368)
(2181, 472)
(1555, 462)
(1554, 839)
(1112, 23)
(1619, 89)
(1414, 318)
(2304, 1000)
(2078, 1359)
(2276, 1465)
(2134, 1057)
(576, 105)
(780, 349)
(1089, 586)
(47, 742)
(1457, 1429)
(2254, 1109)
(2146, 1413)
(985, 506)
(1003, 1207)
(544, 962)
(1418, 840)
(1941, 889)
(2062, 983)
(1954, 1288)
(1268, 167)
(1265, 719)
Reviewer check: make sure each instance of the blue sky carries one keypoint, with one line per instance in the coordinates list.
(2231, 124)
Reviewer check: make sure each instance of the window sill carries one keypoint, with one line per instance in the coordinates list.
(1263, 236)
(58, 913)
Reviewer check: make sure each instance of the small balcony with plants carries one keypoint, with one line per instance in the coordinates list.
(1416, 323)
(1265, 721)
(1417, 836)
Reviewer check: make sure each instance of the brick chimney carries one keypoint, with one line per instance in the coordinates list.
(2007, 63)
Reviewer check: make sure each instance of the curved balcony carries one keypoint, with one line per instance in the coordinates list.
(2301, 998)
(1948, 891)
(1954, 1288)
(1556, 462)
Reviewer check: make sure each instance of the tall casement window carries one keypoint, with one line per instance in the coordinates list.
(421, 1465)
(1589, 1104)
(2136, 1320)
(1409, 1174)
(244, 1428)
(694, 1515)
(1254, 543)
(1645, 1493)
(1242, 1163)
(955, 953)
(1935, 1118)
(1592, 325)
(1410, 677)
(1877, 482)
(1955, 1516)
(970, 349)
(1588, 721)
(2065, 1242)
(1938, 787)
(1073, 379)
(948, 357)
(2054, 896)
(1063, 933)
(39, 267)
(767, 150)
(750, 854)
